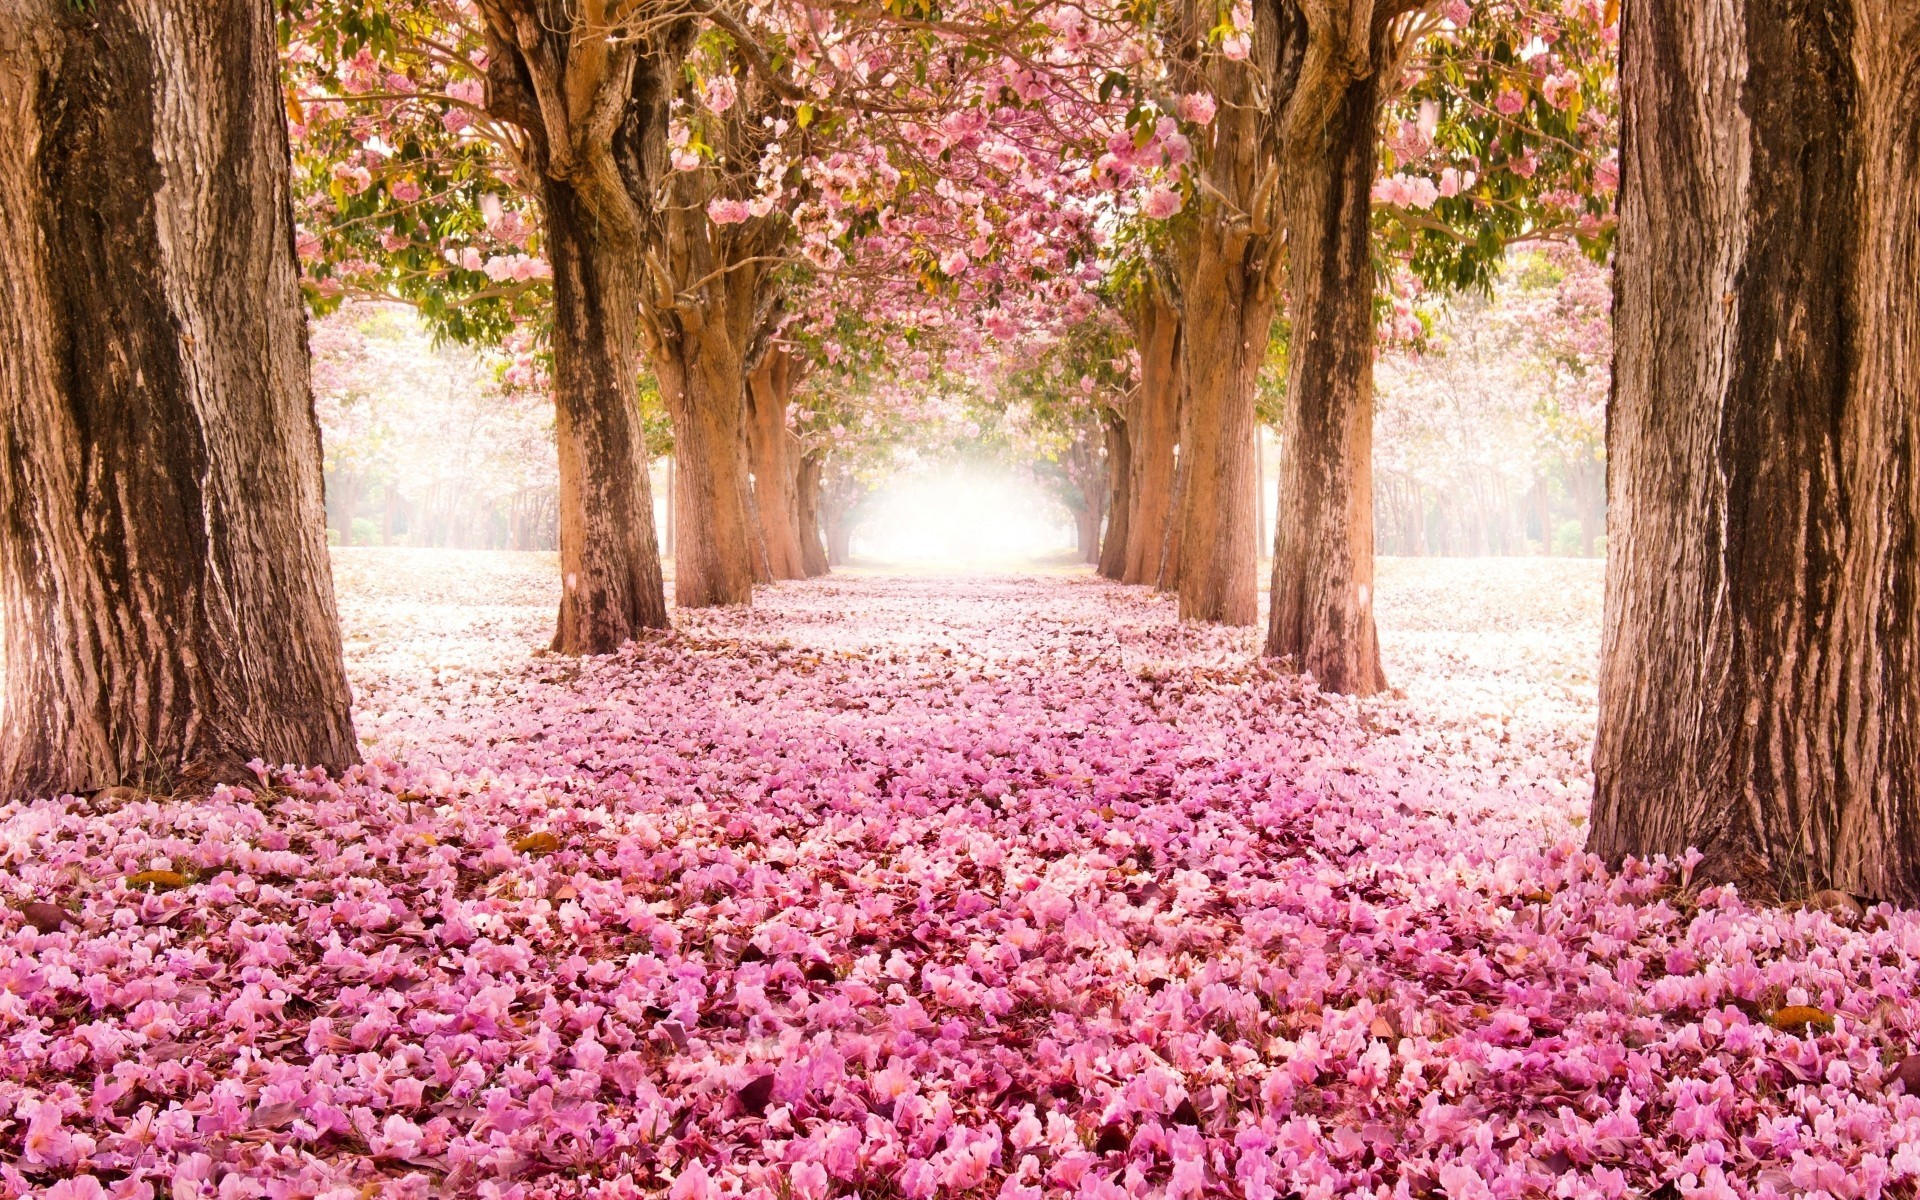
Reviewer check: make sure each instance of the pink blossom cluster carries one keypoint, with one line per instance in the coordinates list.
(1008, 887)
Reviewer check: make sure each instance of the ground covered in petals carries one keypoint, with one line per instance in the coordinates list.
(932, 886)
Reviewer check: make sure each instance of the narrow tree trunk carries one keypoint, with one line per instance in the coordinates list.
(1167, 577)
(1152, 430)
(774, 471)
(611, 586)
(1543, 513)
(1321, 614)
(839, 537)
(166, 608)
(813, 550)
(1222, 354)
(342, 492)
(704, 386)
(1086, 532)
(1760, 674)
(1113, 546)
(673, 502)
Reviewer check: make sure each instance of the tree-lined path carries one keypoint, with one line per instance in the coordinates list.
(663, 849)
(1015, 885)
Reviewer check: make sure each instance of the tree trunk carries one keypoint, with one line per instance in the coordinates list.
(813, 550)
(703, 383)
(1321, 614)
(1113, 546)
(609, 559)
(1086, 532)
(774, 473)
(342, 493)
(1222, 355)
(1152, 430)
(166, 607)
(673, 492)
(839, 538)
(1760, 676)
(1167, 577)
(1542, 497)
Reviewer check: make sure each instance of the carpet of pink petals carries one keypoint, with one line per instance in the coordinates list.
(899, 886)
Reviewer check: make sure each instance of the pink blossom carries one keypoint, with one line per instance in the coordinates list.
(720, 93)
(726, 211)
(1197, 107)
(1162, 202)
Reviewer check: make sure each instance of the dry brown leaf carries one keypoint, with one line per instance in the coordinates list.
(158, 881)
(1800, 1018)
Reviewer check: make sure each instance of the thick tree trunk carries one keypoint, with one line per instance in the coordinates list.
(813, 549)
(1321, 612)
(1113, 544)
(1222, 355)
(704, 385)
(609, 558)
(166, 608)
(776, 498)
(1760, 677)
(1152, 430)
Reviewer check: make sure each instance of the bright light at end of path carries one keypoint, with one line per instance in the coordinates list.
(964, 518)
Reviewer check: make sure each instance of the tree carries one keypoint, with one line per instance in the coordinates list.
(773, 459)
(1760, 675)
(165, 595)
(1263, 163)
(393, 88)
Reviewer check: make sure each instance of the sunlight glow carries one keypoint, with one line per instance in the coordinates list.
(963, 516)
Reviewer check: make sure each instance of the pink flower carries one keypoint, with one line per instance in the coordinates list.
(720, 93)
(693, 1183)
(1197, 107)
(353, 178)
(809, 1181)
(1510, 102)
(49, 1143)
(1162, 202)
(406, 191)
(1406, 191)
(724, 211)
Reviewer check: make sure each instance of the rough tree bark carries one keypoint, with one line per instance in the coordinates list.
(813, 548)
(1321, 612)
(775, 474)
(1222, 356)
(609, 552)
(1153, 428)
(1760, 678)
(1113, 545)
(609, 555)
(166, 608)
(593, 87)
(702, 381)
